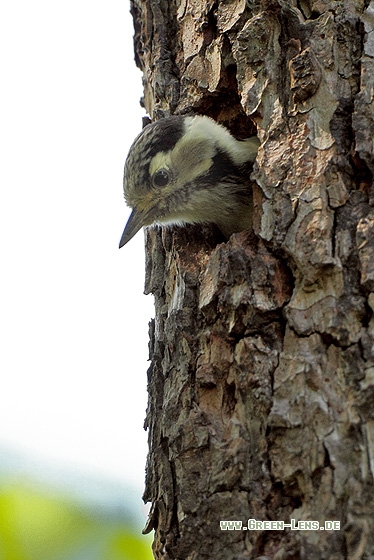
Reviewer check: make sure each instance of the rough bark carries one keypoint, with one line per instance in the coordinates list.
(261, 385)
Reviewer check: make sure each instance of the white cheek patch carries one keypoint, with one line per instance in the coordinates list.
(189, 174)
(191, 157)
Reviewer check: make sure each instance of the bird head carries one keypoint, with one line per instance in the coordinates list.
(173, 168)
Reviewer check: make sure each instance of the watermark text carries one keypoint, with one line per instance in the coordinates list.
(253, 525)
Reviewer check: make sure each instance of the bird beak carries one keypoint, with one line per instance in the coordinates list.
(136, 221)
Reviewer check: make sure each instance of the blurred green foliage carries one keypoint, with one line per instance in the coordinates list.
(37, 525)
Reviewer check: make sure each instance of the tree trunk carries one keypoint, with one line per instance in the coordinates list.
(261, 385)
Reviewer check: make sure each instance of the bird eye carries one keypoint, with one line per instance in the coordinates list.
(161, 178)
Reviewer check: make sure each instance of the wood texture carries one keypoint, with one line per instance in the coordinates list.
(261, 384)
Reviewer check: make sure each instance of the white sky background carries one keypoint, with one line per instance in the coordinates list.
(73, 317)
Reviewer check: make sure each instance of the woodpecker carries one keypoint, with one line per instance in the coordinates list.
(188, 170)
